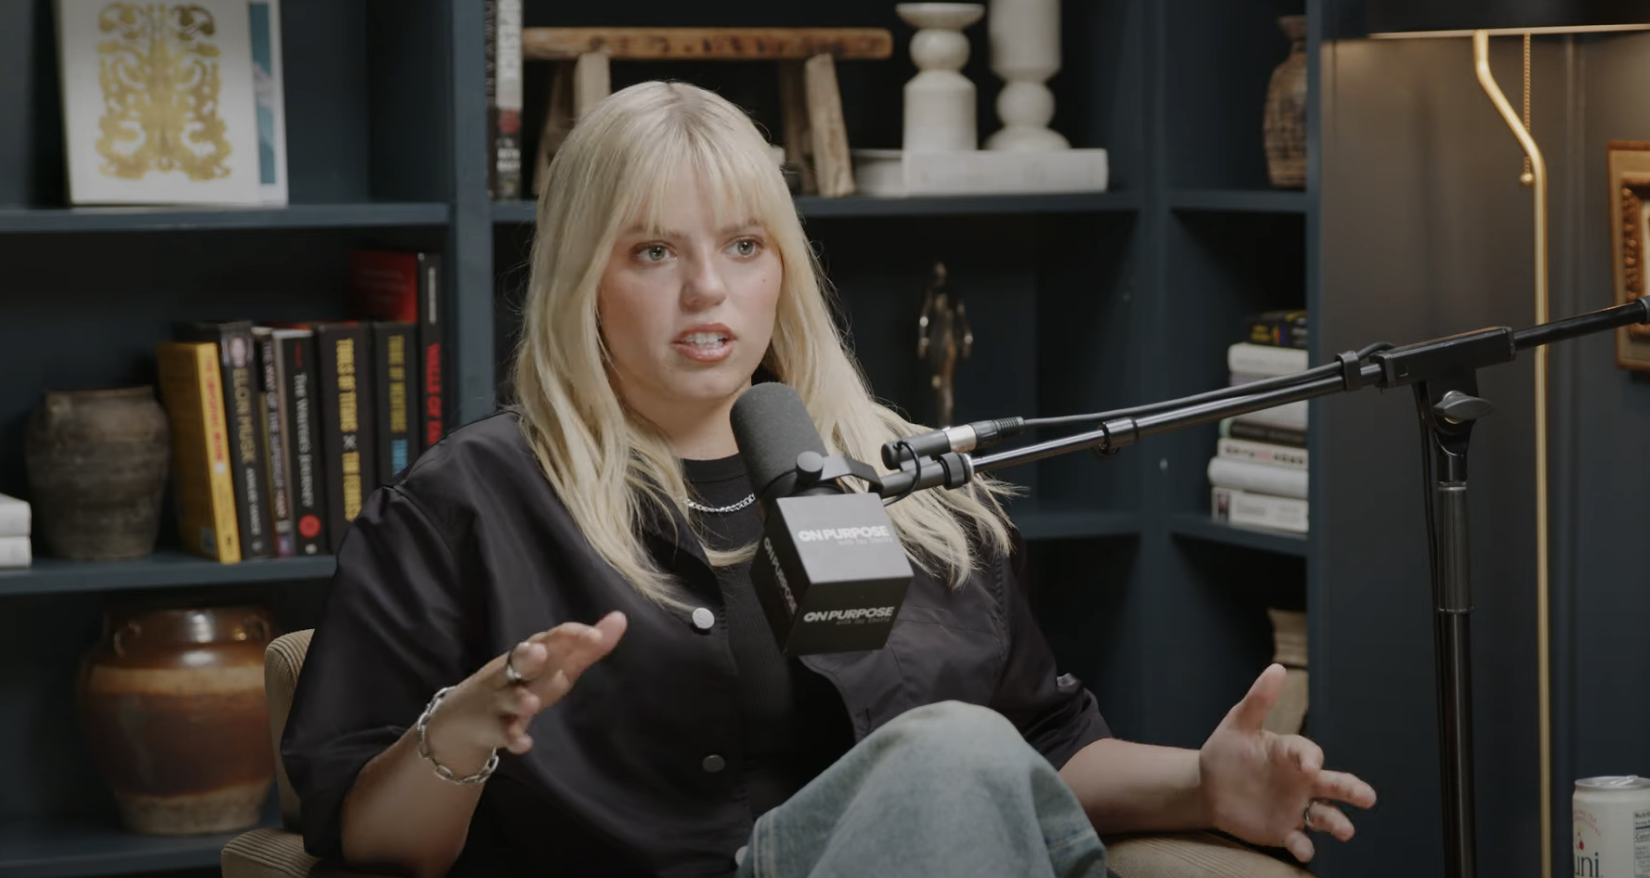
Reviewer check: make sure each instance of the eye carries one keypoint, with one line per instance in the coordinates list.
(653, 253)
(747, 247)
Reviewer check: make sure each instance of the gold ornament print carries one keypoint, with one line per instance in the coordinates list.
(158, 68)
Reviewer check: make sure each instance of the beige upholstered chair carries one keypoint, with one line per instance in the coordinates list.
(279, 853)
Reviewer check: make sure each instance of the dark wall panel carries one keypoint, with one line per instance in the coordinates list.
(1427, 232)
(1611, 706)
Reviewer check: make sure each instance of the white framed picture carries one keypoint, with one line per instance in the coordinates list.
(159, 104)
(265, 24)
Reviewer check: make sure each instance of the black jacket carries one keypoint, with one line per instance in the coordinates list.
(471, 551)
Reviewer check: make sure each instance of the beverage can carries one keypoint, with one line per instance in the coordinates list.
(1612, 827)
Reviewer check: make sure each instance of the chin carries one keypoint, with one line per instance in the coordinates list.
(711, 387)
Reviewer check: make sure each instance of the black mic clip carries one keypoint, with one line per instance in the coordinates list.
(813, 468)
(949, 470)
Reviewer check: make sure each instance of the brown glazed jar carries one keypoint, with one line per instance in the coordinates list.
(172, 704)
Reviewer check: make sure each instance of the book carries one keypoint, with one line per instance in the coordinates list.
(343, 359)
(501, 40)
(235, 351)
(1241, 508)
(1265, 360)
(1285, 328)
(203, 486)
(277, 461)
(395, 391)
(15, 551)
(15, 517)
(1235, 429)
(269, 93)
(405, 286)
(1260, 478)
(1270, 453)
(300, 410)
(1289, 416)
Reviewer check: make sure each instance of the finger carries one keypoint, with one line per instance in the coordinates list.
(1304, 752)
(1330, 819)
(528, 658)
(1298, 845)
(516, 739)
(1343, 787)
(584, 645)
(517, 701)
(1250, 713)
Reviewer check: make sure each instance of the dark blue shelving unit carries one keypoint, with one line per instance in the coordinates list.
(72, 848)
(169, 219)
(1238, 200)
(1186, 525)
(810, 206)
(165, 568)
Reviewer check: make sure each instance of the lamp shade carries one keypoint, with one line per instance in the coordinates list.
(1399, 17)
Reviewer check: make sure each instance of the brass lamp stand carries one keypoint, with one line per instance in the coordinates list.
(1535, 176)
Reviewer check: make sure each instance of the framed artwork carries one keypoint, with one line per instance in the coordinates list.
(159, 104)
(1629, 166)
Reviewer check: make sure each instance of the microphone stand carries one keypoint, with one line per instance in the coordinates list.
(1443, 373)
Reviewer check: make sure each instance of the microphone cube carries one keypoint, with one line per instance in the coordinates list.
(830, 573)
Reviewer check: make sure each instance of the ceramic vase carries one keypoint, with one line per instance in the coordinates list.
(1285, 126)
(939, 100)
(97, 464)
(172, 704)
(1025, 52)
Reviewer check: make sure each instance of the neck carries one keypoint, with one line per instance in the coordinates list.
(701, 435)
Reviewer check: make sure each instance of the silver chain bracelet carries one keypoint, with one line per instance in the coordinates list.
(443, 771)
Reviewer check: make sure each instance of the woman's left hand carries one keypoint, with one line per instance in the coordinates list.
(1270, 789)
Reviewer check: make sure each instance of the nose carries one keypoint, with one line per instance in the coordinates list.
(703, 285)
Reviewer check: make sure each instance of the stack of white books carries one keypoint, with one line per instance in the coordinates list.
(1257, 477)
(14, 533)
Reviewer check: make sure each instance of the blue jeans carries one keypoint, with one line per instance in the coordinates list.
(947, 790)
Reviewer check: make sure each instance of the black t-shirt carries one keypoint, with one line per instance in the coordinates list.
(794, 723)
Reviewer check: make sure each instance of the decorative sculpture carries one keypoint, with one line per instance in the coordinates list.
(1025, 52)
(943, 337)
(939, 100)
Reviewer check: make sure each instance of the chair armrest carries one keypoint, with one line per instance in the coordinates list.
(276, 853)
(1190, 855)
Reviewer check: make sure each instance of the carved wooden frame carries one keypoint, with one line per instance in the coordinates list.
(1629, 169)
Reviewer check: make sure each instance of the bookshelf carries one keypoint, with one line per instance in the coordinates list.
(1081, 302)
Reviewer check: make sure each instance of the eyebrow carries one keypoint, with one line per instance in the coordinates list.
(673, 233)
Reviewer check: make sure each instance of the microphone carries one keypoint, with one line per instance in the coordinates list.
(829, 572)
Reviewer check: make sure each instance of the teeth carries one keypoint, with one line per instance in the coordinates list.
(704, 339)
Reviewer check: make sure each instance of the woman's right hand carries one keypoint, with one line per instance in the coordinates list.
(488, 712)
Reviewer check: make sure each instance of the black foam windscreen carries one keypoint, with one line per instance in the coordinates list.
(772, 427)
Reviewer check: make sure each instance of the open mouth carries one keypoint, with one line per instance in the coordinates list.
(705, 345)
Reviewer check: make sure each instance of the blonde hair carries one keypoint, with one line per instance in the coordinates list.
(611, 468)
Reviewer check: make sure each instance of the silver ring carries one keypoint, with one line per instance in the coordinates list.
(511, 675)
(1306, 816)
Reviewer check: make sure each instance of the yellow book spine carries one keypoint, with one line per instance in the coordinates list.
(205, 491)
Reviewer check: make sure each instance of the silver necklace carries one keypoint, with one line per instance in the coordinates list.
(731, 507)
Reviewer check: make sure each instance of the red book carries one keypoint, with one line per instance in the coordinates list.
(405, 286)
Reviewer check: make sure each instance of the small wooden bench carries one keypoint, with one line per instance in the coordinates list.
(816, 139)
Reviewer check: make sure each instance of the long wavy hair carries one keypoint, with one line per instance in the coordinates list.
(610, 467)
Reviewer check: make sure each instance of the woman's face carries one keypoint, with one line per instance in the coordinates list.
(687, 310)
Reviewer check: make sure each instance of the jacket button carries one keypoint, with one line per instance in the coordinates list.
(703, 619)
(713, 763)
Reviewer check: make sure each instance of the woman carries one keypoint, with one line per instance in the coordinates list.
(542, 651)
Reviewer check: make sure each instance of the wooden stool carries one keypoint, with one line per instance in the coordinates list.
(815, 137)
